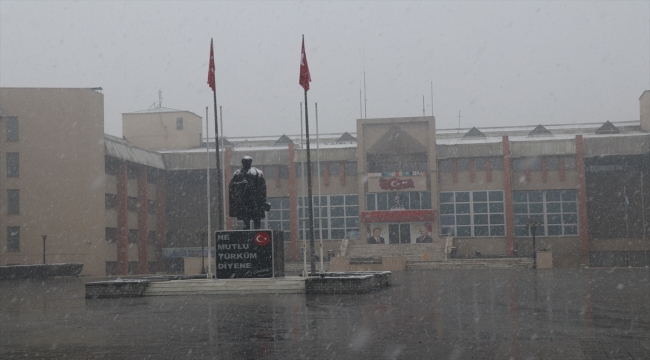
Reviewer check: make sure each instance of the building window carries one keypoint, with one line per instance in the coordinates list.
(556, 210)
(552, 163)
(335, 169)
(445, 165)
(111, 267)
(351, 168)
(131, 172)
(284, 171)
(462, 164)
(269, 171)
(278, 218)
(179, 123)
(132, 203)
(12, 165)
(480, 164)
(151, 206)
(110, 201)
(110, 234)
(13, 238)
(496, 163)
(569, 162)
(335, 216)
(13, 201)
(12, 128)
(411, 200)
(472, 213)
(519, 164)
(152, 237)
(133, 236)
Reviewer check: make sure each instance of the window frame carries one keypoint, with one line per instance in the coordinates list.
(568, 199)
(13, 241)
(13, 165)
(344, 222)
(472, 210)
(13, 201)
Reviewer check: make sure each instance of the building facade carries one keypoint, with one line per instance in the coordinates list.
(394, 181)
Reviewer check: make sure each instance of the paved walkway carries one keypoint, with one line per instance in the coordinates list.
(427, 314)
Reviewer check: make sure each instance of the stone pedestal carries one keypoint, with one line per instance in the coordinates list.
(544, 259)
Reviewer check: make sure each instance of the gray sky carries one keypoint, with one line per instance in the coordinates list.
(499, 63)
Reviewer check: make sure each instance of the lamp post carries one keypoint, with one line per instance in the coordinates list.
(44, 237)
(532, 224)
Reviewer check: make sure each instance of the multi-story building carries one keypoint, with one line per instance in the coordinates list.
(396, 180)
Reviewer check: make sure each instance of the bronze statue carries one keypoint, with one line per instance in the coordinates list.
(248, 194)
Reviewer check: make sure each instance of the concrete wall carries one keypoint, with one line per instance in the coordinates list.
(156, 130)
(61, 179)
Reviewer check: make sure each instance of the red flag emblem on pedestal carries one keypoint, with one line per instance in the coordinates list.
(211, 68)
(305, 78)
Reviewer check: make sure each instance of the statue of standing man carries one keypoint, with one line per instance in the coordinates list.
(248, 194)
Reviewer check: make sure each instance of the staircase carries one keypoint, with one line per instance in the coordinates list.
(498, 263)
(412, 252)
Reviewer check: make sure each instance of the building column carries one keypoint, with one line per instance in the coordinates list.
(160, 221)
(582, 196)
(143, 222)
(507, 191)
(122, 237)
(293, 203)
(228, 175)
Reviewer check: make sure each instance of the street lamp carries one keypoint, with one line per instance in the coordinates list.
(44, 237)
(532, 224)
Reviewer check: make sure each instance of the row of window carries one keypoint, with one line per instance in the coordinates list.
(334, 169)
(111, 235)
(534, 163)
(394, 166)
(110, 201)
(412, 200)
(481, 213)
(335, 216)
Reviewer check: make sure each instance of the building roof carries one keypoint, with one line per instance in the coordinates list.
(156, 110)
(122, 149)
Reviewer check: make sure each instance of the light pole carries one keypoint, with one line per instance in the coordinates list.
(532, 224)
(202, 235)
(44, 237)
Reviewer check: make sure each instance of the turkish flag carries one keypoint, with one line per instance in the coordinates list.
(305, 78)
(211, 69)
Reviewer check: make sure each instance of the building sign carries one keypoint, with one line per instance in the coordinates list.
(244, 254)
(396, 184)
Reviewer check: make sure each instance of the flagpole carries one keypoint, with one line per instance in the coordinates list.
(304, 81)
(223, 174)
(216, 146)
(302, 195)
(207, 172)
(320, 205)
(626, 202)
(643, 208)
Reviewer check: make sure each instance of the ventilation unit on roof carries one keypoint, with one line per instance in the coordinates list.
(608, 128)
(540, 131)
(474, 132)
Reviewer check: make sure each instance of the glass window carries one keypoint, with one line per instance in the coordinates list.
(552, 163)
(133, 236)
(480, 164)
(496, 163)
(284, 171)
(151, 206)
(335, 216)
(110, 201)
(179, 123)
(13, 238)
(334, 169)
(558, 216)
(462, 164)
(445, 165)
(535, 163)
(351, 168)
(371, 202)
(12, 128)
(110, 234)
(519, 164)
(483, 215)
(569, 162)
(13, 201)
(12, 165)
(279, 215)
(382, 201)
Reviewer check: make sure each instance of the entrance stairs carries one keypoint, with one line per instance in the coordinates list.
(412, 252)
(481, 263)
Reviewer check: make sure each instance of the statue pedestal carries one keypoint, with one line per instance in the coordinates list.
(246, 254)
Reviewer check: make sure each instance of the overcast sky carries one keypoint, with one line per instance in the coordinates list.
(499, 63)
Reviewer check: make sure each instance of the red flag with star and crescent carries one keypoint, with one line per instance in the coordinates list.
(211, 68)
(305, 78)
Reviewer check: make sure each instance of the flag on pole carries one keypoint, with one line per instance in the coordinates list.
(211, 69)
(305, 78)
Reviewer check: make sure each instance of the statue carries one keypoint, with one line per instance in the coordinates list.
(248, 194)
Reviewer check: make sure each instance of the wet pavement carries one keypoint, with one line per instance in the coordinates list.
(429, 314)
